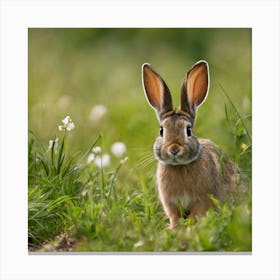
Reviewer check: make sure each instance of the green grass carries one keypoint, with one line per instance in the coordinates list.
(116, 208)
(98, 213)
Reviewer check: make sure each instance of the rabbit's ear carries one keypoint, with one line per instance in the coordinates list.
(156, 90)
(195, 88)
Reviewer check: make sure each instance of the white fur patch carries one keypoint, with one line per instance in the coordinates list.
(183, 201)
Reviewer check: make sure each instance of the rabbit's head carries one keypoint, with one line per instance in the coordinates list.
(177, 145)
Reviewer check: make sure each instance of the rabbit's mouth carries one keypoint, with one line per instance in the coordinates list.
(177, 153)
(175, 160)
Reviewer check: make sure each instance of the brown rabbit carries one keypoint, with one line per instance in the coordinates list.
(190, 170)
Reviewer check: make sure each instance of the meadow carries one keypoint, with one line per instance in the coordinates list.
(91, 177)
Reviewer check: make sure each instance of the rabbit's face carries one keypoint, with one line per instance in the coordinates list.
(176, 144)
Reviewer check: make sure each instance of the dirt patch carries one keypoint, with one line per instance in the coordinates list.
(61, 243)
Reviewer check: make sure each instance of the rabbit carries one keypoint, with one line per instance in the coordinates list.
(190, 170)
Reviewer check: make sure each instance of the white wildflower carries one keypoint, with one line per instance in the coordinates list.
(97, 112)
(68, 124)
(102, 161)
(66, 120)
(96, 150)
(122, 161)
(53, 143)
(90, 158)
(138, 244)
(84, 193)
(118, 149)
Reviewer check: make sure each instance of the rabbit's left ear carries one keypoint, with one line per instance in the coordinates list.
(156, 91)
(195, 88)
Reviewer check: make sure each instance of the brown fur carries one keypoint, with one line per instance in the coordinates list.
(190, 170)
(211, 174)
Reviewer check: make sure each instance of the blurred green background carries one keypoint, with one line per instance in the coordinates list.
(72, 70)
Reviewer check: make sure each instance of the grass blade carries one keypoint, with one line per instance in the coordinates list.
(235, 109)
(91, 147)
(60, 157)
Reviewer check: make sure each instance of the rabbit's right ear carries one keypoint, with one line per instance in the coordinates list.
(156, 90)
(195, 88)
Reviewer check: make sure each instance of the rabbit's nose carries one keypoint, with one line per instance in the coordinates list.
(174, 149)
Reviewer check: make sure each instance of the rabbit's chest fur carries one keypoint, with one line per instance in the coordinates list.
(197, 180)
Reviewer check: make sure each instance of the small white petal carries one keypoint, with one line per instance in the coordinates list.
(90, 158)
(84, 193)
(61, 127)
(98, 161)
(106, 160)
(138, 244)
(50, 144)
(53, 142)
(118, 149)
(66, 120)
(102, 161)
(96, 150)
(122, 161)
(70, 126)
(97, 112)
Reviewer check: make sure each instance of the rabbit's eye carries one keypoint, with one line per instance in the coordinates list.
(161, 131)
(189, 131)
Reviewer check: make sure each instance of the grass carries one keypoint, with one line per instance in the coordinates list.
(80, 201)
(87, 202)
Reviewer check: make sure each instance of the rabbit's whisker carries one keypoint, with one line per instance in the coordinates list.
(145, 161)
